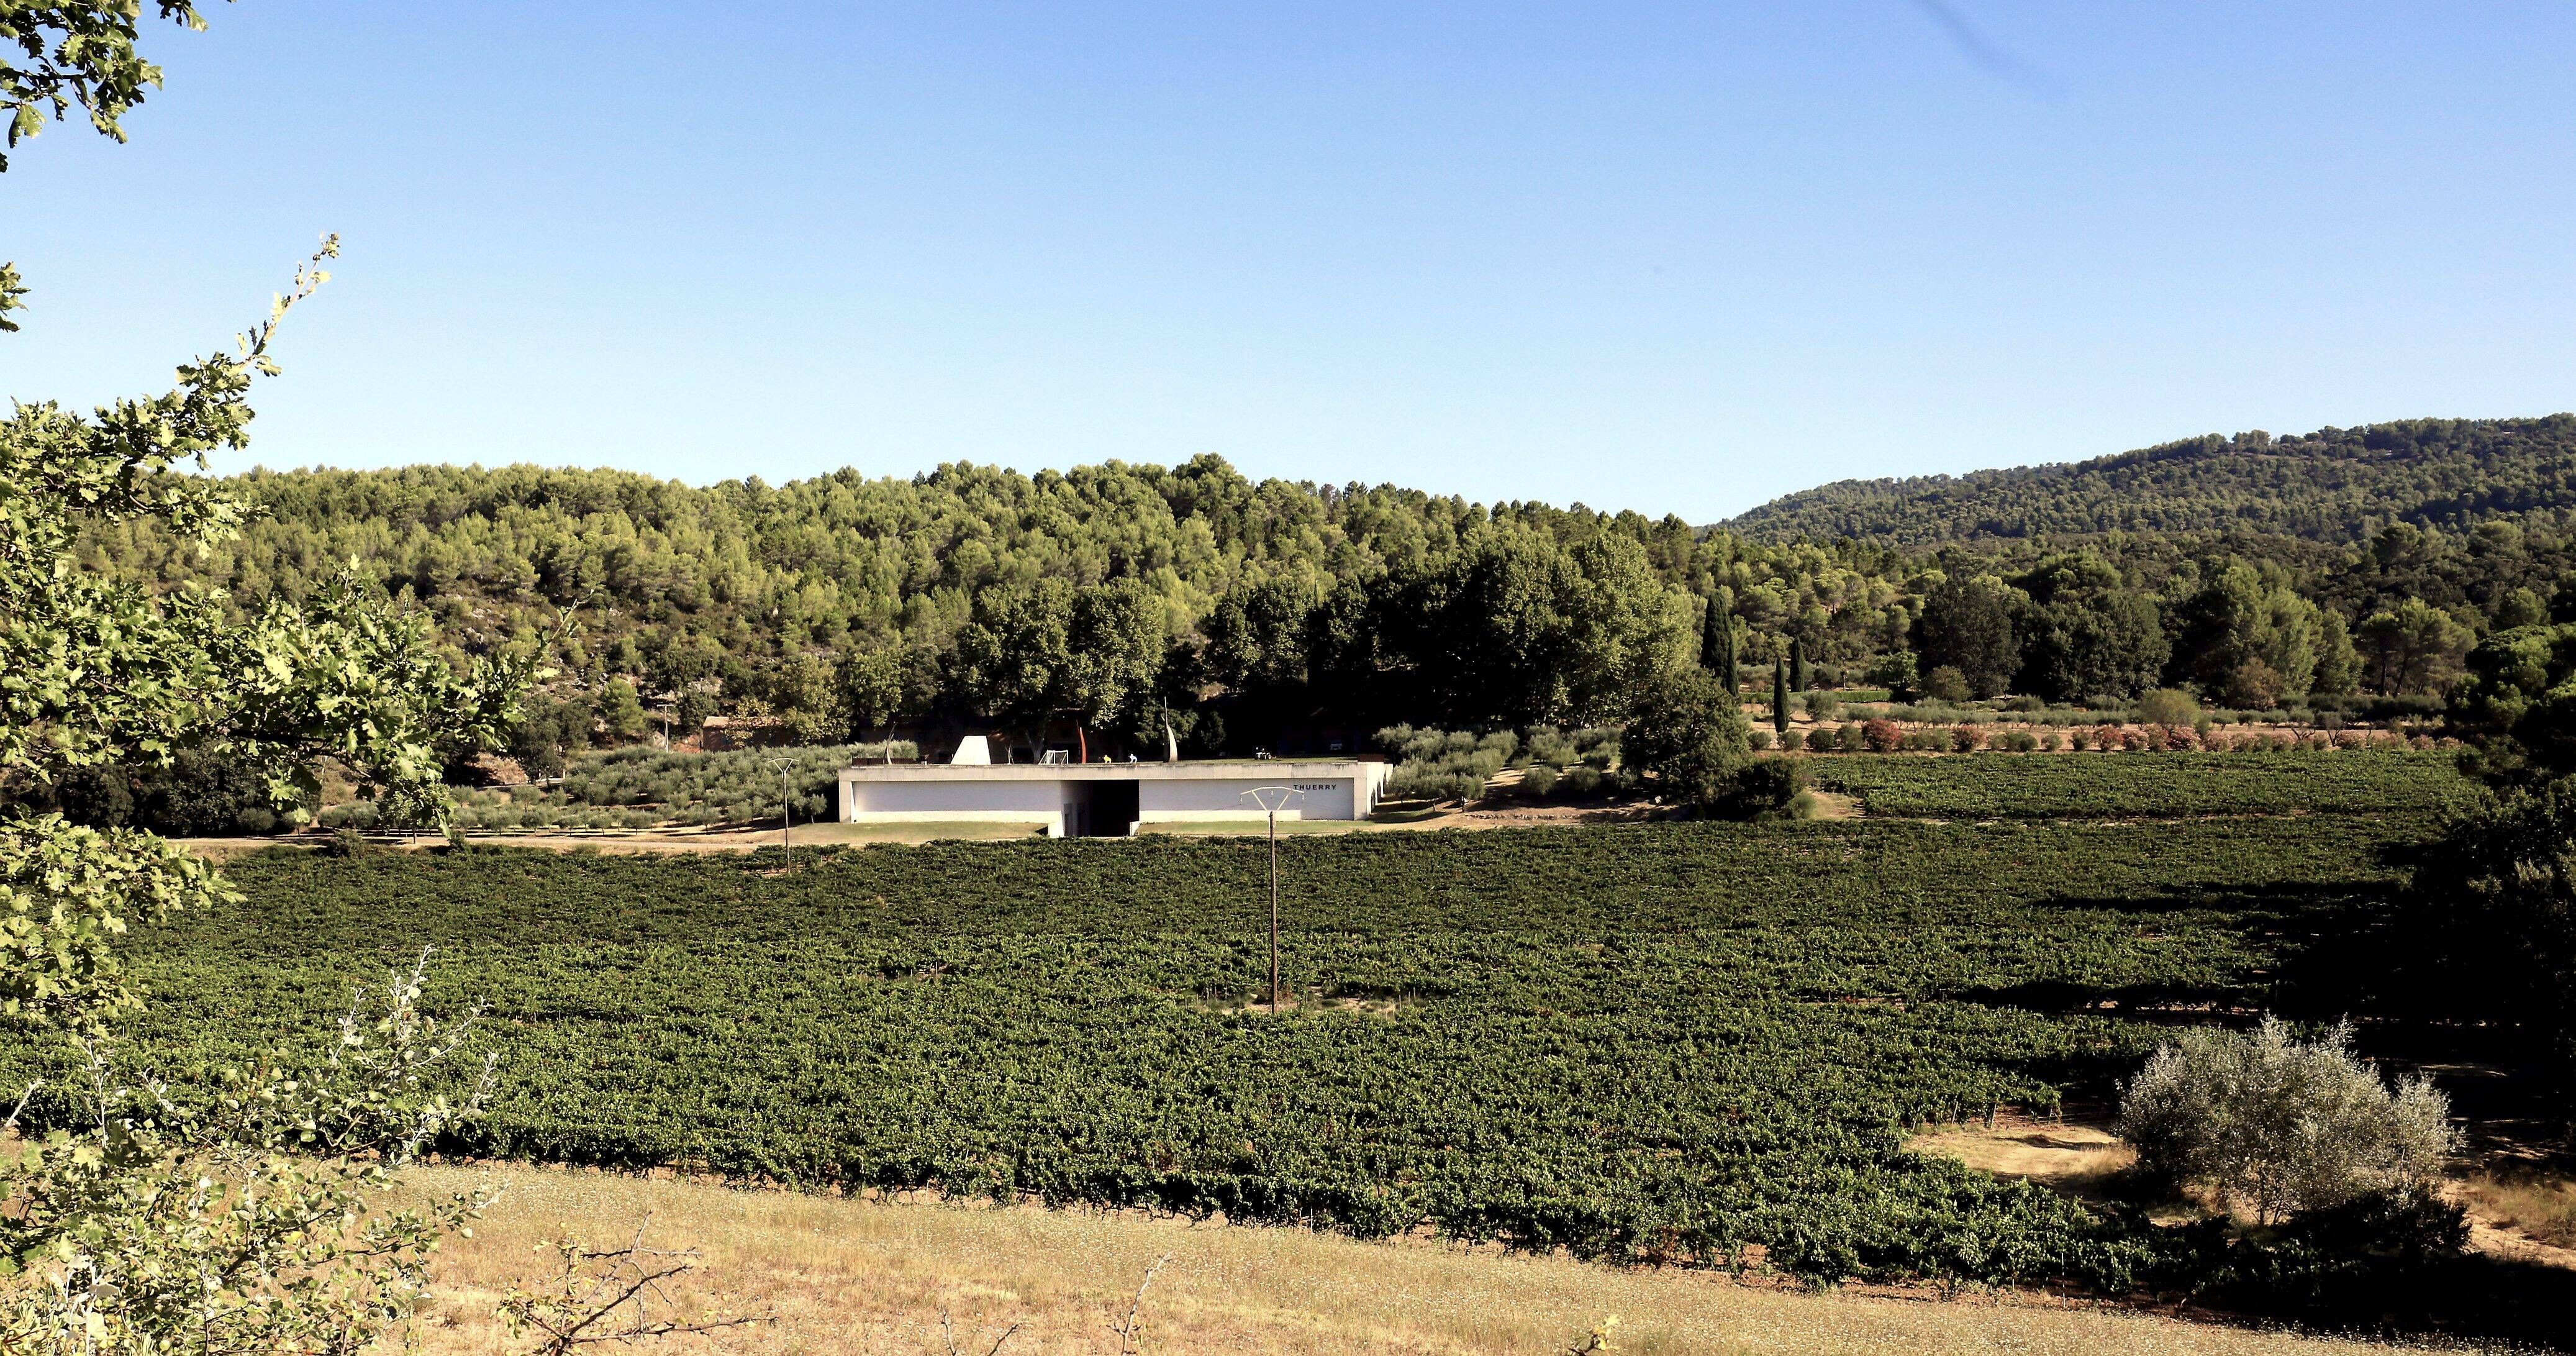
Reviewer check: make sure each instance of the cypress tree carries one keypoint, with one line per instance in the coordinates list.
(1717, 644)
(1780, 695)
(1797, 664)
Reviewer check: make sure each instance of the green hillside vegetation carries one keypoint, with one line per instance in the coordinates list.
(1662, 1041)
(2334, 485)
(1093, 610)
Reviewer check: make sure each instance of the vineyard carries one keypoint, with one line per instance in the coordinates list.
(1668, 1041)
(2145, 785)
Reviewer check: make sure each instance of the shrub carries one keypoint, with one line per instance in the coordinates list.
(2050, 741)
(1822, 705)
(1443, 764)
(1434, 784)
(1563, 748)
(1946, 684)
(1882, 736)
(355, 815)
(1966, 738)
(1850, 738)
(1791, 741)
(2016, 741)
(2281, 1125)
(1552, 746)
(2253, 683)
(2168, 706)
(1896, 672)
(345, 843)
(1766, 788)
(1760, 740)
(1538, 781)
(1393, 739)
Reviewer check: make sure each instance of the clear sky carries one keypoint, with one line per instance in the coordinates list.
(1667, 257)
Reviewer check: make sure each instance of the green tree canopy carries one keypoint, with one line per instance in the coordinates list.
(1967, 625)
(1686, 734)
(2086, 632)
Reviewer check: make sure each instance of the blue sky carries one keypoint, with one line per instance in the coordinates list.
(1667, 257)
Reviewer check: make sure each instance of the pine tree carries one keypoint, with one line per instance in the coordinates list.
(1780, 696)
(1717, 644)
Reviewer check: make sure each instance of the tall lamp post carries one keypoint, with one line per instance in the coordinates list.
(1273, 799)
(784, 766)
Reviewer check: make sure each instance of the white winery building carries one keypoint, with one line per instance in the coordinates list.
(1104, 800)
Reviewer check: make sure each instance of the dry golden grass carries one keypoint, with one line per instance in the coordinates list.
(1833, 805)
(846, 1276)
(2539, 1208)
(2057, 1153)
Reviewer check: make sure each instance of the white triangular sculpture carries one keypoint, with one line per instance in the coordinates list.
(975, 749)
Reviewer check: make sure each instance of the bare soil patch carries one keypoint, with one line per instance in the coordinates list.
(2069, 1156)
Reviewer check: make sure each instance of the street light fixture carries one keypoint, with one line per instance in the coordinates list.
(1273, 799)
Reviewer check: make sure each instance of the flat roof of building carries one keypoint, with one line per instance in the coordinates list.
(1210, 769)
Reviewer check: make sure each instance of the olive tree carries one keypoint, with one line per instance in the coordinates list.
(2284, 1126)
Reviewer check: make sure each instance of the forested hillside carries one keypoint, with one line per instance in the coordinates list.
(2333, 485)
(1096, 608)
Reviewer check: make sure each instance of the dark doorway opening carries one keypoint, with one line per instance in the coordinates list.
(1102, 809)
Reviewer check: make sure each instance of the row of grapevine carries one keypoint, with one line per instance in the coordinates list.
(2147, 784)
(1658, 1041)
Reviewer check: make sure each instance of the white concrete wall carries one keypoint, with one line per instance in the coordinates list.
(1223, 798)
(1019, 801)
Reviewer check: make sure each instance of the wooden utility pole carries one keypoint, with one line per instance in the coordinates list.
(1274, 911)
(1273, 799)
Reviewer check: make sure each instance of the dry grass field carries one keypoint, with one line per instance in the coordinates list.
(849, 1276)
